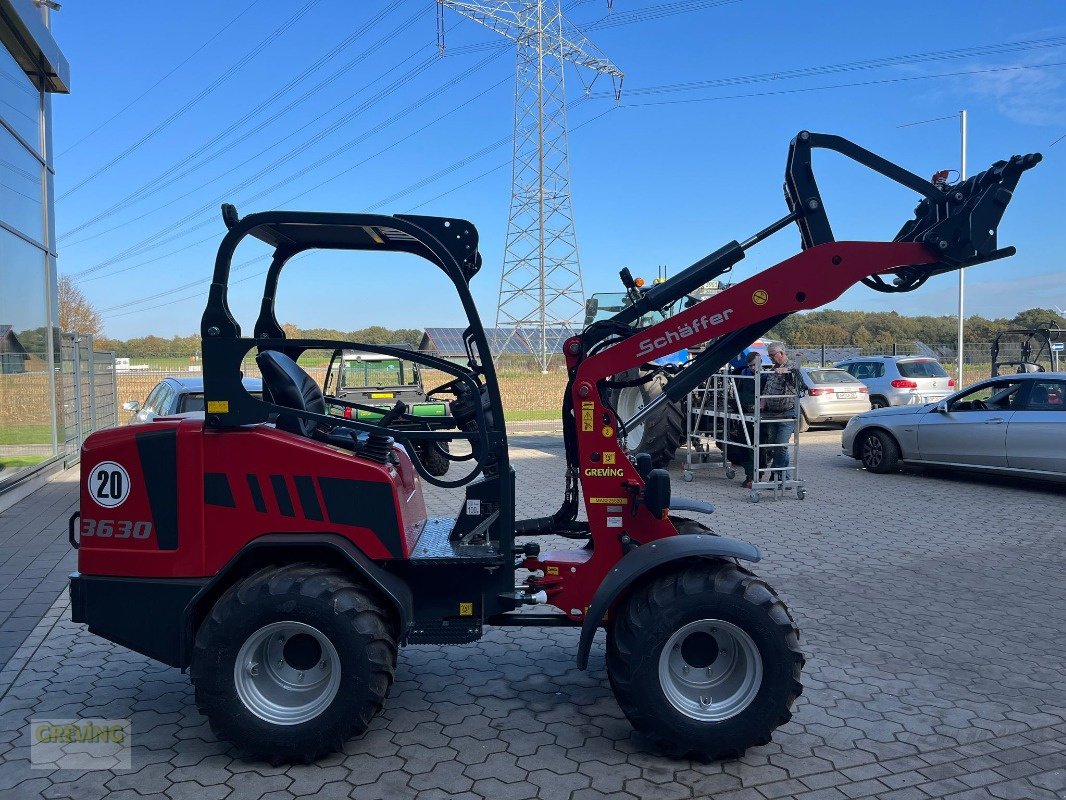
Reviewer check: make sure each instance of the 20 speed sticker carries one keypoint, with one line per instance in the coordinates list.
(108, 484)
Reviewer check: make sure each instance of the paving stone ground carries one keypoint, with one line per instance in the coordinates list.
(931, 609)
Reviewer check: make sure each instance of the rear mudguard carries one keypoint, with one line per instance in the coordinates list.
(288, 548)
(646, 558)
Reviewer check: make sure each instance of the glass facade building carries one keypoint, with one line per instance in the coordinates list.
(31, 68)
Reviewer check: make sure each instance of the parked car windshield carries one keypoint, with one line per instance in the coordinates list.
(830, 376)
(926, 368)
(359, 374)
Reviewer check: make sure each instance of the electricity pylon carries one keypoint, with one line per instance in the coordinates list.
(540, 288)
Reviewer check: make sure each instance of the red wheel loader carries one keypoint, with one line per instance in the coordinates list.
(283, 555)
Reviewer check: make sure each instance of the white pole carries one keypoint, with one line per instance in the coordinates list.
(962, 272)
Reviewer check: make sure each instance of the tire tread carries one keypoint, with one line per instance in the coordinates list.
(349, 599)
(647, 605)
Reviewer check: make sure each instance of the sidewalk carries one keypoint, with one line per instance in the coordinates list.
(35, 558)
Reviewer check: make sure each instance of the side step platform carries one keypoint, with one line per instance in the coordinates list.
(434, 546)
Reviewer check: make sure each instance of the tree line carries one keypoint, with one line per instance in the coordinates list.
(828, 326)
(866, 328)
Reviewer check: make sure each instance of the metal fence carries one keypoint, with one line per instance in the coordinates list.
(88, 388)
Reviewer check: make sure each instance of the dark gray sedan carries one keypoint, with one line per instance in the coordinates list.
(1014, 424)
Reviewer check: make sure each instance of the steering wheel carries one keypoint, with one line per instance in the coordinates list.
(446, 387)
(450, 387)
(478, 436)
(978, 405)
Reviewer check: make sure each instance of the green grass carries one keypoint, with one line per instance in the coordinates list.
(526, 414)
(18, 462)
(25, 434)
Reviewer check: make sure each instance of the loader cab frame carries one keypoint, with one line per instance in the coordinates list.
(450, 245)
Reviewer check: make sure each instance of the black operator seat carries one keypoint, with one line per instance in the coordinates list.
(291, 387)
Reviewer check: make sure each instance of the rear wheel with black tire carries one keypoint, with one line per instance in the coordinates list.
(879, 452)
(878, 402)
(435, 462)
(659, 435)
(705, 660)
(294, 660)
(803, 425)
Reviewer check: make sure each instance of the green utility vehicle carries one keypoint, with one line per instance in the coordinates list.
(379, 380)
(1028, 350)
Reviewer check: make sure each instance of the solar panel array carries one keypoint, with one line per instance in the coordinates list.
(813, 355)
(448, 342)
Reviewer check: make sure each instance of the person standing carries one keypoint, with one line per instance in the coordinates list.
(747, 391)
(779, 401)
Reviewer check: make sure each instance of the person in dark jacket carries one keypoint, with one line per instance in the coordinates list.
(779, 400)
(746, 392)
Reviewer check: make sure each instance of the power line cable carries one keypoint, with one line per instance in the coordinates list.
(199, 282)
(209, 89)
(927, 121)
(654, 12)
(391, 198)
(797, 90)
(610, 20)
(166, 234)
(299, 149)
(146, 189)
(893, 60)
(849, 66)
(196, 160)
(155, 85)
(160, 237)
(155, 240)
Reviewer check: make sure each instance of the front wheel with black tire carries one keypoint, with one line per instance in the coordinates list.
(659, 434)
(294, 660)
(705, 660)
(879, 452)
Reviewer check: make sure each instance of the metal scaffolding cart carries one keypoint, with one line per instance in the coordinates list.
(725, 413)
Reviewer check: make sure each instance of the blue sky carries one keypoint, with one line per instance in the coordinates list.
(162, 108)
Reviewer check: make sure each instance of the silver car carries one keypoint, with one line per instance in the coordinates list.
(1014, 424)
(179, 396)
(832, 396)
(900, 380)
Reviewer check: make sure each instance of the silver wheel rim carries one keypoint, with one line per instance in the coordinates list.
(287, 673)
(630, 401)
(872, 452)
(710, 670)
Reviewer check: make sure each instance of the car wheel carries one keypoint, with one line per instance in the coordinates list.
(804, 425)
(879, 452)
(878, 402)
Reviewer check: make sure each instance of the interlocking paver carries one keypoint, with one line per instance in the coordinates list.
(934, 668)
